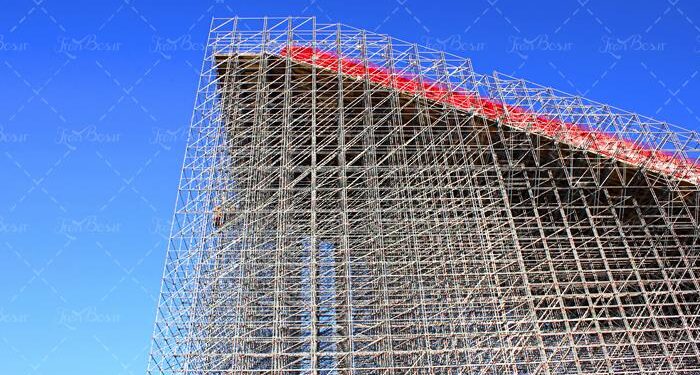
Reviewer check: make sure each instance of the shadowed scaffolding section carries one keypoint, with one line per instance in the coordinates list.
(355, 204)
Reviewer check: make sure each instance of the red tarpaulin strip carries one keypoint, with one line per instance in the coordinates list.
(517, 117)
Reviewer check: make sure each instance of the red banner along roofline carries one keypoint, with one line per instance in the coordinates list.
(514, 116)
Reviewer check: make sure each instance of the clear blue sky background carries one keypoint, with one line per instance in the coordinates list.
(95, 98)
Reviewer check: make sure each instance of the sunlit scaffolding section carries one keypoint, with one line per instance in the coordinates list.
(351, 203)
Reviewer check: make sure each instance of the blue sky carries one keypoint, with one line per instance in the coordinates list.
(95, 101)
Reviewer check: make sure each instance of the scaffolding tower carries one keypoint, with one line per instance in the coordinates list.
(351, 203)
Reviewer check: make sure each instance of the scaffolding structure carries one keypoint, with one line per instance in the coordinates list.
(351, 203)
